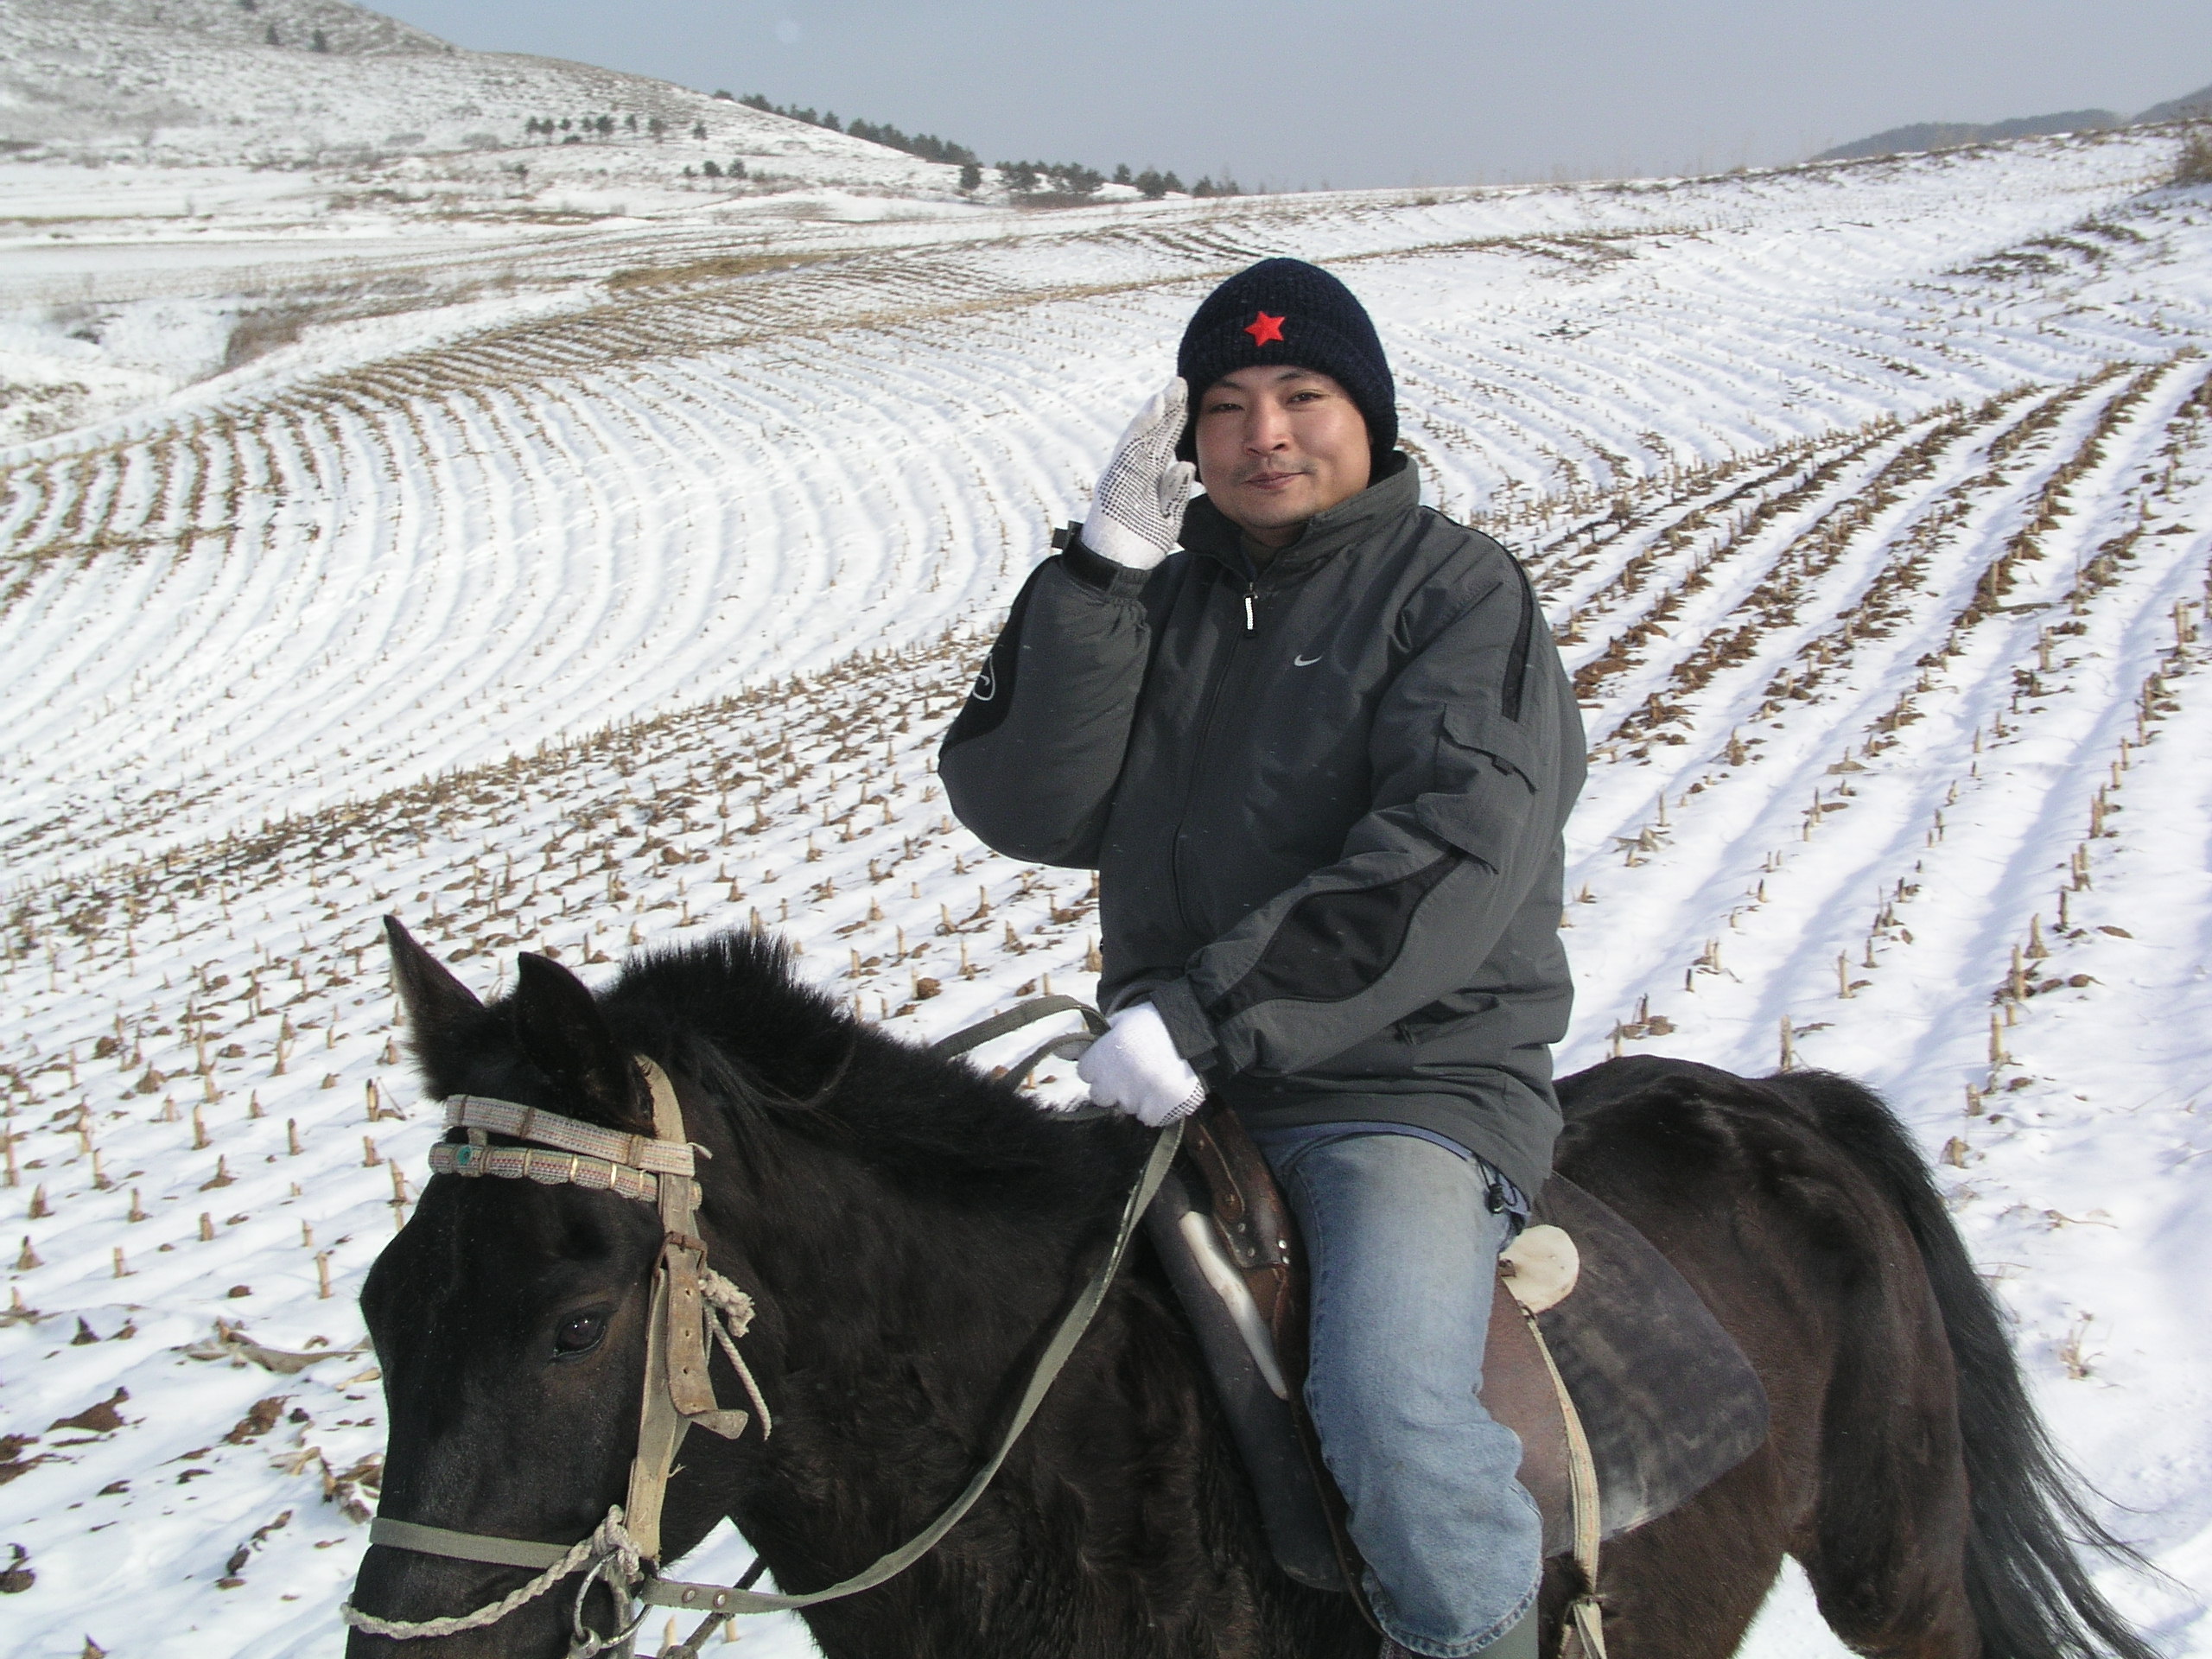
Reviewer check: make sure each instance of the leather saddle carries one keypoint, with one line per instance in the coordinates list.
(1665, 1398)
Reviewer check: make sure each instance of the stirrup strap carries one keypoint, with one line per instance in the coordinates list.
(1585, 1635)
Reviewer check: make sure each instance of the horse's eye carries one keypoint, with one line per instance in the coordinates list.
(578, 1334)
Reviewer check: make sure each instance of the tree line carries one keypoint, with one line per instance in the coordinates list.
(927, 145)
(1072, 178)
(578, 128)
(1039, 181)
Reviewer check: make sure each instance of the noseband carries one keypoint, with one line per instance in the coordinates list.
(690, 1299)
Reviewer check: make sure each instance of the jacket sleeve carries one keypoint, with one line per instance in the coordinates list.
(1476, 752)
(1031, 762)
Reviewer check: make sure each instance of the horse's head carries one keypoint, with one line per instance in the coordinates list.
(509, 1318)
(906, 1226)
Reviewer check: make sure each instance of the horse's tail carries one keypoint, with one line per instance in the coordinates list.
(2031, 1599)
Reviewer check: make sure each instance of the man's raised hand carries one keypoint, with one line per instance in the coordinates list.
(1137, 513)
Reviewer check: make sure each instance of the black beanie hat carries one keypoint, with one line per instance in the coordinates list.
(1287, 311)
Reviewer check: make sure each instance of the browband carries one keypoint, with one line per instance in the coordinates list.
(642, 1152)
(473, 1158)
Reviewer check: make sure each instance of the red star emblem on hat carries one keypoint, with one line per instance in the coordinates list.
(1263, 328)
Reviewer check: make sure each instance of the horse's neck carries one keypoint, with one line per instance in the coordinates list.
(874, 1252)
(907, 1327)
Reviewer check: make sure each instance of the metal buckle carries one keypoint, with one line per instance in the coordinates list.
(587, 1641)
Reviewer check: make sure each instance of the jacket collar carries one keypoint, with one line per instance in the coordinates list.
(1396, 493)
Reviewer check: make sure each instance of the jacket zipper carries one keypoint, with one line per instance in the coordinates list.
(1198, 754)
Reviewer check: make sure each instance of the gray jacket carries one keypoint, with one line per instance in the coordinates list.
(1324, 801)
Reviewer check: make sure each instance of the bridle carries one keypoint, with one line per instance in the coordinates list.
(690, 1299)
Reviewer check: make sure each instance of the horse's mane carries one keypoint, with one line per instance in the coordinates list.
(785, 1058)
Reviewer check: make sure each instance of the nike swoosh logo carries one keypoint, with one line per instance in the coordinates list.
(1304, 662)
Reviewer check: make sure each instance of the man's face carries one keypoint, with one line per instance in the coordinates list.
(1278, 444)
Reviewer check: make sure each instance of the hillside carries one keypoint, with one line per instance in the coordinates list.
(1872, 504)
(293, 84)
(292, 81)
(2189, 105)
(194, 183)
(1944, 135)
(1941, 134)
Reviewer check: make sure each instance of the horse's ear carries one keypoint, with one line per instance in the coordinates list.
(438, 1006)
(563, 1035)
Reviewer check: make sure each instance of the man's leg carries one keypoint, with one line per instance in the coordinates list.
(1401, 1246)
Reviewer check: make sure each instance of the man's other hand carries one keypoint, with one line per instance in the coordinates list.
(1135, 1069)
(1137, 513)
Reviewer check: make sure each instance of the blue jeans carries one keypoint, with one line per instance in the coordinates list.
(1401, 1247)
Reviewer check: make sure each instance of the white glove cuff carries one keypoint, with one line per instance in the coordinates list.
(1110, 540)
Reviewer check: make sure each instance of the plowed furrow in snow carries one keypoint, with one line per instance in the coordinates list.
(1839, 750)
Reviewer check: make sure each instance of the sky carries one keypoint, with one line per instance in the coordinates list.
(1384, 92)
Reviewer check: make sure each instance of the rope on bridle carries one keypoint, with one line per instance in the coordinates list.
(609, 1551)
(729, 1317)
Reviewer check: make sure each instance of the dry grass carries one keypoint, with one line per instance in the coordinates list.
(701, 271)
(273, 321)
(265, 330)
(2194, 164)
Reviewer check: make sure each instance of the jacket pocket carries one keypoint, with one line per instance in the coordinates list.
(1477, 724)
(1485, 788)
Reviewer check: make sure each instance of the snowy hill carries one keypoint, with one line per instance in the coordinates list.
(192, 181)
(294, 81)
(304, 109)
(628, 596)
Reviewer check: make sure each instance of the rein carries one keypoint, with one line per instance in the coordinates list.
(690, 1299)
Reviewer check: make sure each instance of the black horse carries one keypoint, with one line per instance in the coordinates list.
(910, 1231)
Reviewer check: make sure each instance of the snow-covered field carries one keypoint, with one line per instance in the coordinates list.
(556, 608)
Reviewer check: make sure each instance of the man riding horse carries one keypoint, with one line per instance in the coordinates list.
(1321, 757)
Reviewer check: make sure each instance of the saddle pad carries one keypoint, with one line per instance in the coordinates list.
(1666, 1398)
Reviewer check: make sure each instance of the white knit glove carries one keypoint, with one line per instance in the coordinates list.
(1135, 1067)
(1137, 513)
